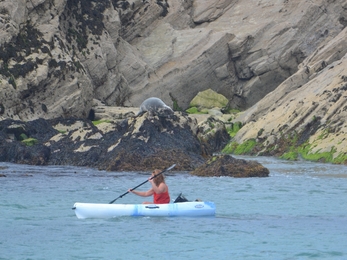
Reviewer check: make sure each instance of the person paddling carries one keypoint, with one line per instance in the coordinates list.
(159, 190)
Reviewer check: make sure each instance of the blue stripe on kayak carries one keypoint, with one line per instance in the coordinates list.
(136, 210)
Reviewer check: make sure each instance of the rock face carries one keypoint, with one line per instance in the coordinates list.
(284, 61)
(309, 109)
(55, 57)
(212, 135)
(226, 165)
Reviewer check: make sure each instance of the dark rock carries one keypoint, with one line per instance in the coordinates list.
(140, 143)
(157, 143)
(39, 129)
(213, 135)
(77, 133)
(12, 149)
(226, 165)
(16, 152)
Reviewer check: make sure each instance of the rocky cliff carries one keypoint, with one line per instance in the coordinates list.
(57, 55)
(305, 116)
(283, 60)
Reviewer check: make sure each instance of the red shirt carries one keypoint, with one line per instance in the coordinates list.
(161, 198)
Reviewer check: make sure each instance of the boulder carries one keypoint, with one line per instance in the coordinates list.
(151, 141)
(136, 143)
(209, 99)
(226, 165)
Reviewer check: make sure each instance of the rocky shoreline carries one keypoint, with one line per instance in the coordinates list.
(283, 63)
(128, 143)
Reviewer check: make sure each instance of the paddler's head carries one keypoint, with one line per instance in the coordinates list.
(159, 179)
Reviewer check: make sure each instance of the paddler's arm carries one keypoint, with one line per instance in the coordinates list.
(142, 193)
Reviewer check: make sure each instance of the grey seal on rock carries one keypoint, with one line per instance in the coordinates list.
(154, 105)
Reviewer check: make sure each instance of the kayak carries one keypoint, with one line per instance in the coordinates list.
(188, 209)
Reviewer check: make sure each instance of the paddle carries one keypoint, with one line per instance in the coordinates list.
(121, 196)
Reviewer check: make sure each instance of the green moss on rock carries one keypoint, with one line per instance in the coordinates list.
(23, 137)
(234, 128)
(306, 153)
(291, 156)
(209, 99)
(30, 141)
(246, 147)
(195, 110)
(238, 149)
(97, 122)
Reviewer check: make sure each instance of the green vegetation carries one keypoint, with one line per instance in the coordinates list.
(176, 107)
(341, 159)
(96, 122)
(230, 148)
(291, 156)
(231, 111)
(318, 156)
(213, 159)
(195, 110)
(12, 81)
(30, 141)
(234, 128)
(291, 141)
(305, 151)
(324, 134)
(211, 124)
(23, 137)
(289, 146)
(244, 148)
(234, 147)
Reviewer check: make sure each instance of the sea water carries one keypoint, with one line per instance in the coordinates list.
(299, 212)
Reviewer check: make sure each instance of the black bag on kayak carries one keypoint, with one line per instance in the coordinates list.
(180, 198)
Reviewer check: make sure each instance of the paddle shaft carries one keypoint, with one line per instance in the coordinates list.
(167, 169)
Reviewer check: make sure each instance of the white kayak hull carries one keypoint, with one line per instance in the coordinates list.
(189, 209)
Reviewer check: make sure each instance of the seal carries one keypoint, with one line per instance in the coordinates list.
(154, 105)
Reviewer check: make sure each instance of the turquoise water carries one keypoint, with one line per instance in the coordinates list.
(299, 212)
